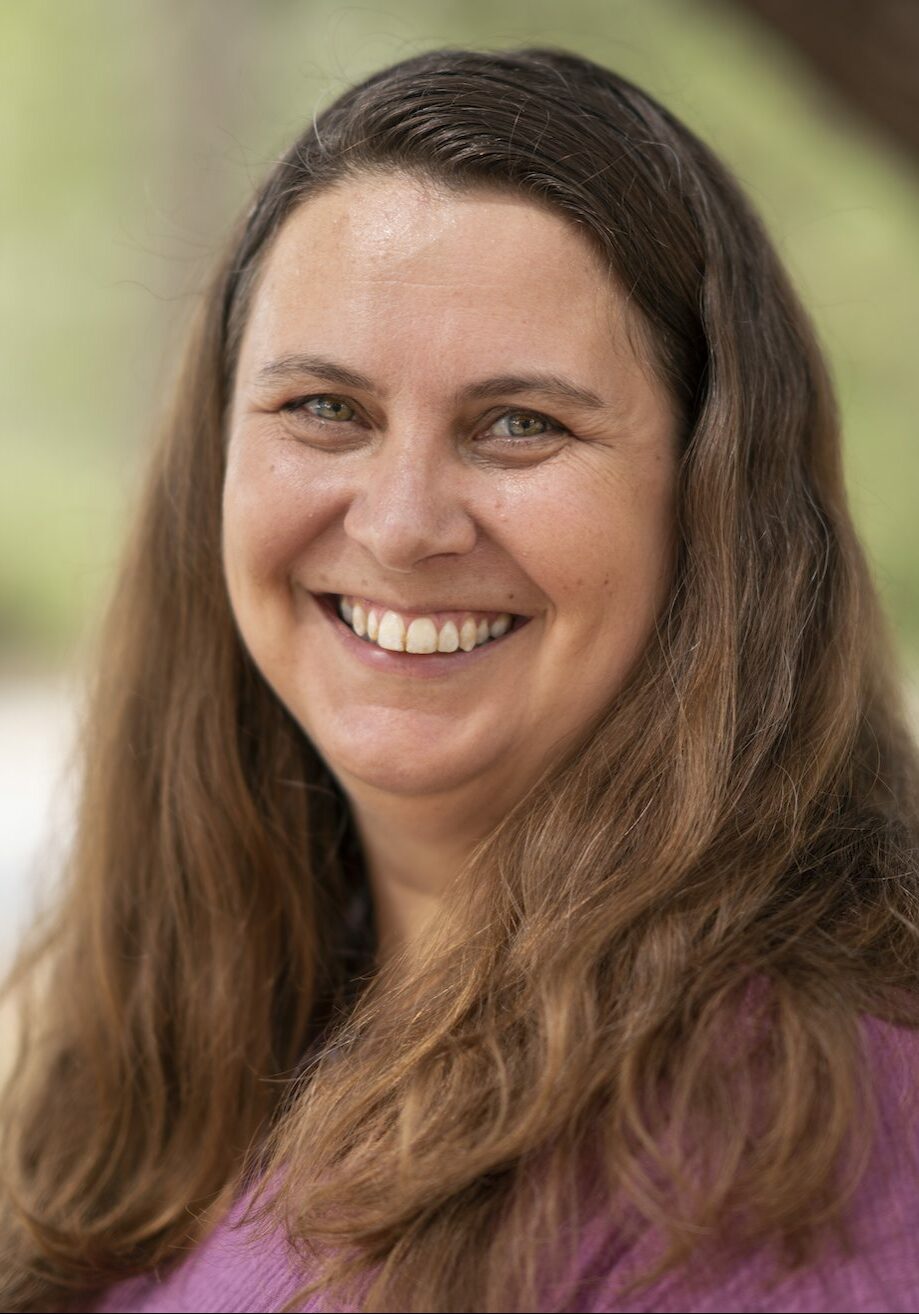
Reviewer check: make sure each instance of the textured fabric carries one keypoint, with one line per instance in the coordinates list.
(882, 1274)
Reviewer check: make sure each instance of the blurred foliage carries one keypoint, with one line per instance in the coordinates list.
(138, 128)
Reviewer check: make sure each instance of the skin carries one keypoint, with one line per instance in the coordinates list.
(421, 495)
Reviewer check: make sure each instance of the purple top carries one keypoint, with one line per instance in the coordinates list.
(882, 1273)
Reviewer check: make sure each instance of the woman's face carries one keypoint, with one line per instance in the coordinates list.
(438, 414)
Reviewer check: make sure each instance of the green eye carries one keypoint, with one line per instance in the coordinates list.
(328, 408)
(524, 424)
(321, 406)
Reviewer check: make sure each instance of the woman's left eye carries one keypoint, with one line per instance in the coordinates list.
(322, 406)
(524, 424)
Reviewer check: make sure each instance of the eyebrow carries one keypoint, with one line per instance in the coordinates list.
(289, 368)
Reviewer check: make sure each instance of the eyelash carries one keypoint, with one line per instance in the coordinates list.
(553, 426)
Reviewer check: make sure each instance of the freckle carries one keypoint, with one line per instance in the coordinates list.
(510, 597)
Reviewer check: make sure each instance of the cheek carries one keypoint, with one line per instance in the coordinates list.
(604, 555)
(270, 515)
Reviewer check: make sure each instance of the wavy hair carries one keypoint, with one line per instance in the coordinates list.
(644, 997)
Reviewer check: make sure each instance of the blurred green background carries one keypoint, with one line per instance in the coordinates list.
(136, 129)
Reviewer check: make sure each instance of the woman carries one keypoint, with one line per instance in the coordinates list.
(496, 879)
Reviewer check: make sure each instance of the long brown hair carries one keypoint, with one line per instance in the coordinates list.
(668, 944)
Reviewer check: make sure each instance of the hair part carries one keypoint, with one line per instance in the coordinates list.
(643, 1001)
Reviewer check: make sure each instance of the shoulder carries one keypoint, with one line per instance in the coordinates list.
(878, 1272)
(887, 1200)
(893, 1052)
(234, 1268)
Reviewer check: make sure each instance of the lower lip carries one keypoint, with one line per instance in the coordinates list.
(423, 666)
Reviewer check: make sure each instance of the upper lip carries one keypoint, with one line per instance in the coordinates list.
(421, 609)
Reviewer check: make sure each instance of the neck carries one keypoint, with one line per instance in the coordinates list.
(413, 848)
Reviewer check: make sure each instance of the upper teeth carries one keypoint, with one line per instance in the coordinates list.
(390, 630)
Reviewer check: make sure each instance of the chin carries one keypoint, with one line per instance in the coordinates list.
(400, 751)
(407, 771)
(411, 779)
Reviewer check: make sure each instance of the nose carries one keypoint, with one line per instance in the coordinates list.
(409, 505)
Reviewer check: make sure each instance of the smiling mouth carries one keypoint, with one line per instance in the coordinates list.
(435, 633)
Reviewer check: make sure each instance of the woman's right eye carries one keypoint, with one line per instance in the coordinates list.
(322, 406)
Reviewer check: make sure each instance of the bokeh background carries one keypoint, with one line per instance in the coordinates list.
(134, 130)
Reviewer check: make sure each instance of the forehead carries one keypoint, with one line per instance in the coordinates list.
(393, 273)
